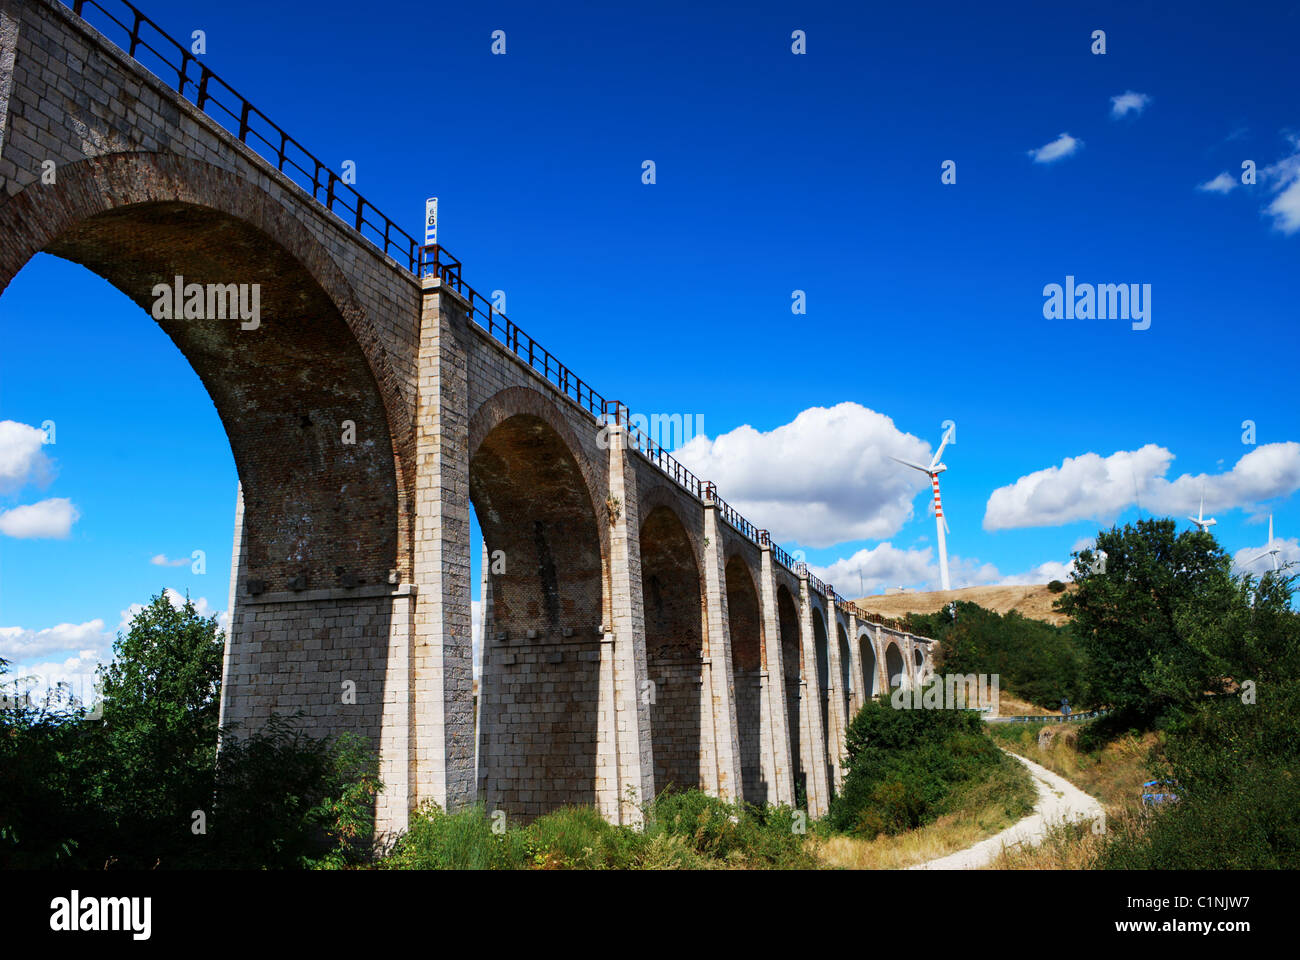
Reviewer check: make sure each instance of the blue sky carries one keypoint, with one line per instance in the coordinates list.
(775, 172)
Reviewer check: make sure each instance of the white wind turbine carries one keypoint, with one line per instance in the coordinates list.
(1272, 550)
(1202, 523)
(932, 471)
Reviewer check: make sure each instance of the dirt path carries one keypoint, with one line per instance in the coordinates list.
(1058, 801)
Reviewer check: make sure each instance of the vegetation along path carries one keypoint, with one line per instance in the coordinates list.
(1059, 801)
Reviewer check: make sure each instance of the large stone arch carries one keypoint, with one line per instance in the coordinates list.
(787, 611)
(867, 657)
(846, 670)
(546, 576)
(318, 512)
(672, 596)
(749, 663)
(821, 684)
(895, 665)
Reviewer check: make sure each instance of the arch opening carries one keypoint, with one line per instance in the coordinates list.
(541, 651)
(895, 668)
(674, 640)
(846, 671)
(792, 662)
(821, 650)
(870, 680)
(749, 662)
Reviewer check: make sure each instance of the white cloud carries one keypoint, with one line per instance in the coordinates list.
(17, 643)
(1084, 487)
(21, 458)
(1284, 178)
(161, 560)
(822, 479)
(1043, 573)
(1092, 487)
(1128, 102)
(1253, 560)
(77, 671)
(1058, 149)
(51, 518)
(1223, 183)
(872, 569)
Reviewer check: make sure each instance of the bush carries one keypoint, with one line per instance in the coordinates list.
(1236, 767)
(904, 767)
(1056, 586)
(437, 840)
(734, 833)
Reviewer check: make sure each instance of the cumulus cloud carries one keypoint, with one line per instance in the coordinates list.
(1060, 148)
(1253, 560)
(1223, 183)
(871, 570)
(1092, 487)
(17, 643)
(21, 458)
(77, 673)
(1128, 102)
(51, 518)
(822, 479)
(1284, 179)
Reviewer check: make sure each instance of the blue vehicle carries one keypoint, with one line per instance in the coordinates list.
(1152, 798)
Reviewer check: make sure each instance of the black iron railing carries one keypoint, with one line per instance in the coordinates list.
(171, 62)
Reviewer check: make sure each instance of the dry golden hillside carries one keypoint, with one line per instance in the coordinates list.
(1032, 601)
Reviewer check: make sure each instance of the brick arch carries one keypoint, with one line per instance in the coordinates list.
(749, 662)
(314, 507)
(895, 665)
(672, 590)
(846, 668)
(787, 610)
(867, 657)
(529, 487)
(515, 401)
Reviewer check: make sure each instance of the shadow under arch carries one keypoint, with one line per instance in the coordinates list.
(792, 661)
(317, 510)
(749, 664)
(672, 594)
(539, 707)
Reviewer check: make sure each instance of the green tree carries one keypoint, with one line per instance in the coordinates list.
(1132, 614)
(161, 696)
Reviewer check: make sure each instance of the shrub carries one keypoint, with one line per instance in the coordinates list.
(1056, 586)
(904, 766)
(1237, 770)
(437, 840)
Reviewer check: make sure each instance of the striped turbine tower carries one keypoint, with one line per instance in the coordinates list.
(941, 525)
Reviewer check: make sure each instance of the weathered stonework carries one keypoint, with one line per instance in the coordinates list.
(634, 636)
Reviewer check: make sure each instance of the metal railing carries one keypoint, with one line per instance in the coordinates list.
(173, 64)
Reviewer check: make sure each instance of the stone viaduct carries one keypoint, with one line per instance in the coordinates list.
(637, 631)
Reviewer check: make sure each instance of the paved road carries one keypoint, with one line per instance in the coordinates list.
(1059, 801)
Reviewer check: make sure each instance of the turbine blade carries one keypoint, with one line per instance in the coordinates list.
(942, 443)
(909, 463)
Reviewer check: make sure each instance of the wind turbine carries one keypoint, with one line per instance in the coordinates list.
(1272, 550)
(1200, 520)
(941, 525)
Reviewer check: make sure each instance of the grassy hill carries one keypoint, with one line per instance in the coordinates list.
(1034, 601)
